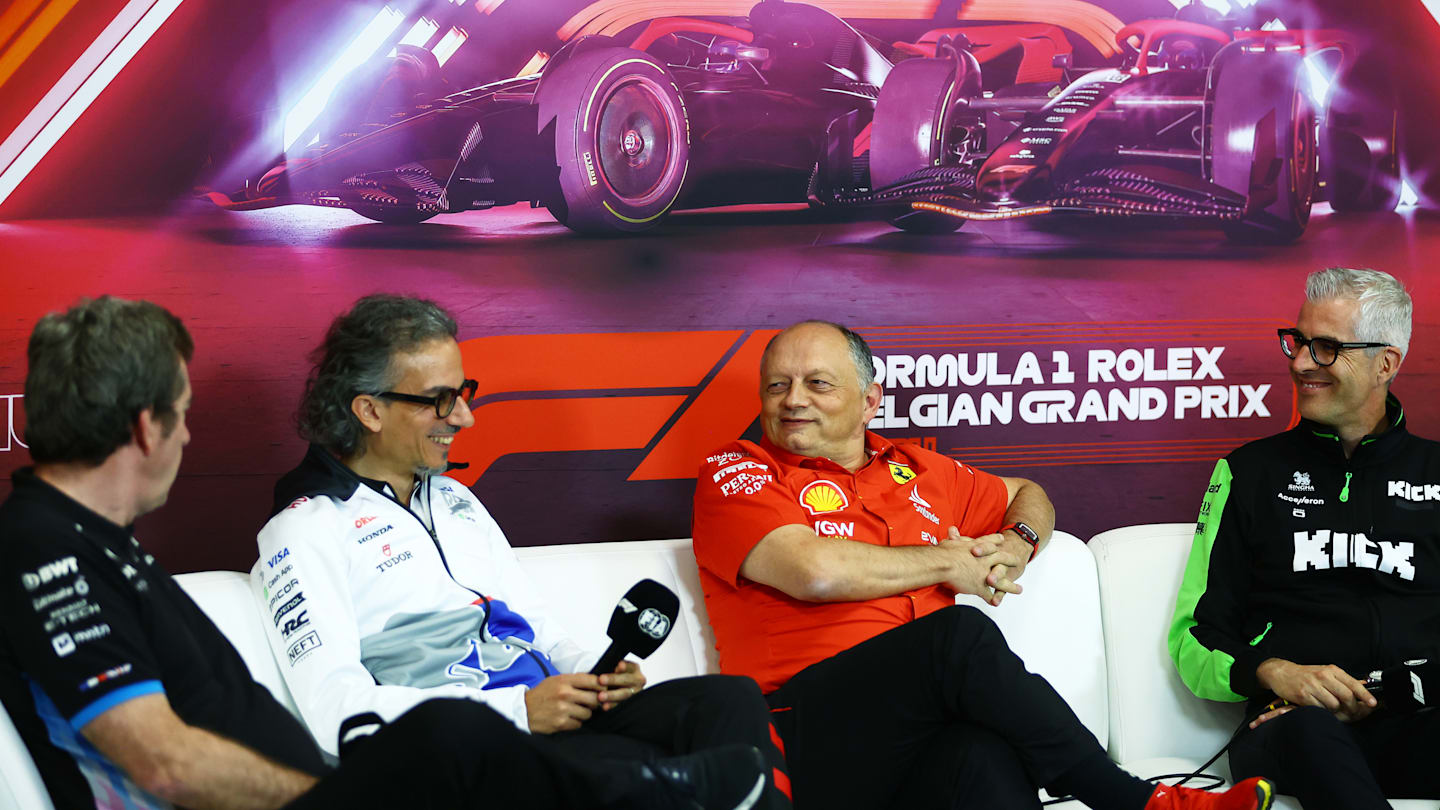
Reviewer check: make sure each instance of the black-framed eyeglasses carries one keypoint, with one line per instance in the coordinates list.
(1324, 351)
(443, 402)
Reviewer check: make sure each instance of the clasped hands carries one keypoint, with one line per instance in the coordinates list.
(563, 702)
(987, 566)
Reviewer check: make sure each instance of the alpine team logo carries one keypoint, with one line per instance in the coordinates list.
(823, 496)
(1301, 483)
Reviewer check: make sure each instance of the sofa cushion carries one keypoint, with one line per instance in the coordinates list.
(1054, 626)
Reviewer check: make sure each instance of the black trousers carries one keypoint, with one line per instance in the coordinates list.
(455, 754)
(936, 713)
(1347, 766)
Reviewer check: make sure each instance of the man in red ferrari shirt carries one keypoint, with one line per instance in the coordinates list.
(830, 560)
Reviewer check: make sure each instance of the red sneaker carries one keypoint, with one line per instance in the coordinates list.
(1254, 793)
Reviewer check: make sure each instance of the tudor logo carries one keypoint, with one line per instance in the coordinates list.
(823, 496)
(1301, 483)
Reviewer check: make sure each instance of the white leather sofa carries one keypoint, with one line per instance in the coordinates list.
(1092, 621)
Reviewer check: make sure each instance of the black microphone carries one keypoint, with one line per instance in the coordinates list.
(641, 621)
(1404, 687)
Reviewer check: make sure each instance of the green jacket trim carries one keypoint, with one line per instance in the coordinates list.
(1206, 671)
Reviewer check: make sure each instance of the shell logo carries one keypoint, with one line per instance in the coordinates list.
(823, 496)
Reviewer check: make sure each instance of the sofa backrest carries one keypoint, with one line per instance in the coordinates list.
(582, 582)
(225, 597)
(1054, 626)
(1152, 712)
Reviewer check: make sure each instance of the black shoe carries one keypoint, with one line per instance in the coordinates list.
(730, 777)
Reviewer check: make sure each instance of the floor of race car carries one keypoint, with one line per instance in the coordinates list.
(258, 288)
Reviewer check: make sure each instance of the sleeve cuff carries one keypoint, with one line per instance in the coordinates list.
(113, 699)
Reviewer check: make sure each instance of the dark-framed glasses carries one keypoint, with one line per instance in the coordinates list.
(443, 402)
(1324, 351)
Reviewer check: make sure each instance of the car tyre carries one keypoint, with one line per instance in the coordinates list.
(622, 140)
(912, 118)
(1262, 141)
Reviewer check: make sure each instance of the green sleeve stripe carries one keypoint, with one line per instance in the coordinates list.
(1205, 671)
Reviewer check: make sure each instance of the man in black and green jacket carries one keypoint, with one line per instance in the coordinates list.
(1316, 561)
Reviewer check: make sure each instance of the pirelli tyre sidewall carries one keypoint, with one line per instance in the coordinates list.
(1257, 100)
(911, 120)
(622, 140)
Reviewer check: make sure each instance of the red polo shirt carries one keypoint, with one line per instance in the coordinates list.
(903, 496)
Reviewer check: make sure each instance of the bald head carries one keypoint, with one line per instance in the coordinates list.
(814, 399)
(857, 347)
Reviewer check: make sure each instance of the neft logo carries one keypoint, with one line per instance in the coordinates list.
(302, 646)
(280, 555)
(1412, 492)
(49, 571)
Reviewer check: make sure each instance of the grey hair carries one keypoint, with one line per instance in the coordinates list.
(860, 353)
(1385, 306)
(357, 357)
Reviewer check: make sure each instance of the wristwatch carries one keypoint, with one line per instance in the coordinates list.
(1027, 534)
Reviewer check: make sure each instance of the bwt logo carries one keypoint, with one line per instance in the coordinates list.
(12, 431)
(42, 576)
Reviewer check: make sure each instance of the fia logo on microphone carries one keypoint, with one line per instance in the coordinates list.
(654, 623)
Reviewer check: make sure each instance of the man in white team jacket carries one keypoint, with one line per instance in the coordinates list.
(385, 583)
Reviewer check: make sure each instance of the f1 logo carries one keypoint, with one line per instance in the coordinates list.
(680, 394)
